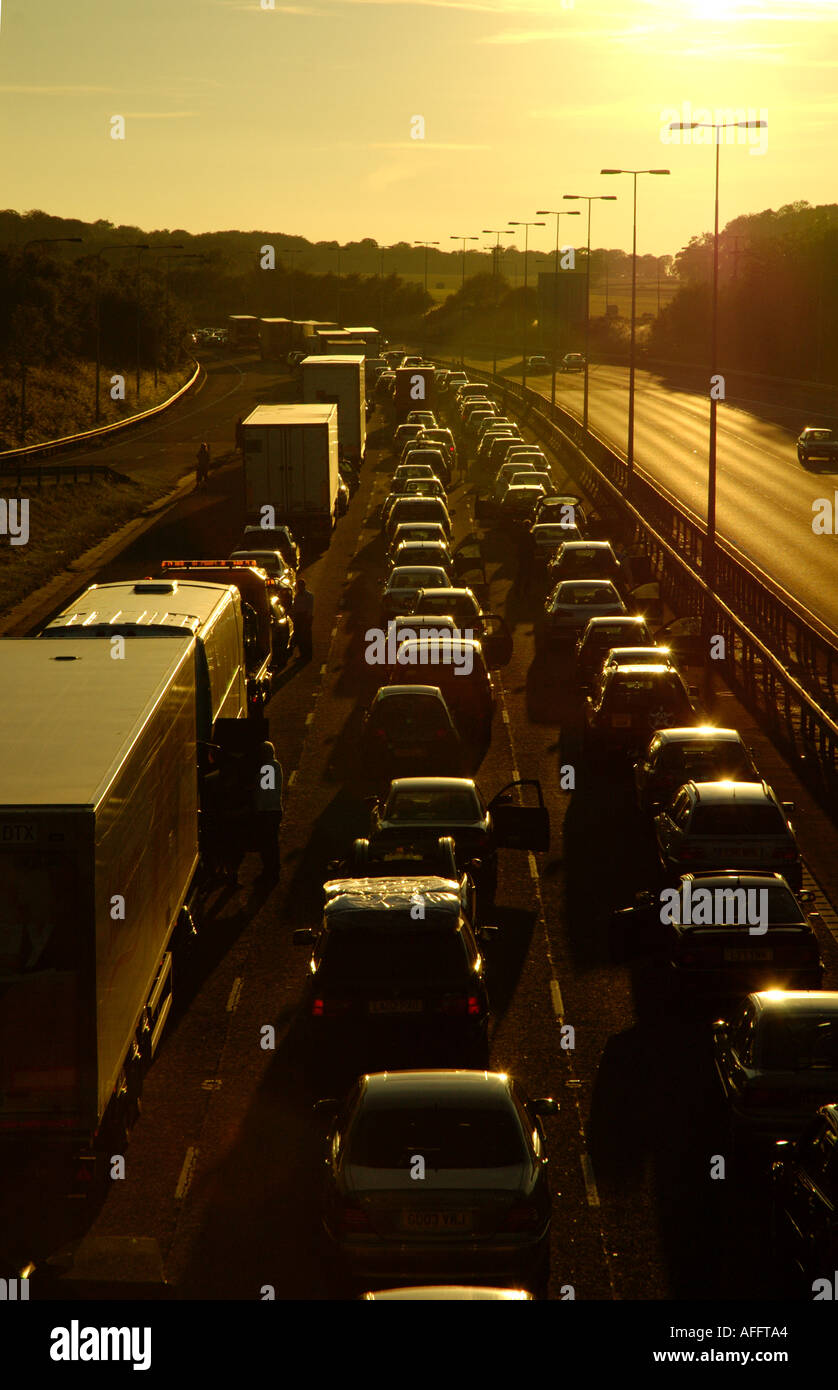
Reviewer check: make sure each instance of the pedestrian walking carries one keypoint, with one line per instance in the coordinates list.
(203, 465)
(303, 615)
(268, 809)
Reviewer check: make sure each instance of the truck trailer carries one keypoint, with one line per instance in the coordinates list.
(99, 863)
(340, 380)
(275, 339)
(291, 466)
(242, 332)
(370, 337)
(415, 390)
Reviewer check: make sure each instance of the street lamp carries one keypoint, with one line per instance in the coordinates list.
(291, 251)
(463, 239)
(710, 557)
(630, 446)
(526, 226)
(426, 244)
(34, 241)
(558, 215)
(171, 246)
(496, 255)
(169, 257)
(592, 198)
(112, 246)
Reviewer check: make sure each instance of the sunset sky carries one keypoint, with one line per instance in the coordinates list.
(298, 118)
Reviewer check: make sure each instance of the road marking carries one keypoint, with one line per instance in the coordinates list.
(212, 1083)
(293, 777)
(323, 669)
(235, 994)
(590, 1180)
(504, 714)
(187, 1173)
(556, 999)
(310, 717)
(533, 865)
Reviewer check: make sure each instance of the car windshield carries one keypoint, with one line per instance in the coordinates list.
(819, 434)
(638, 693)
(582, 595)
(390, 957)
(416, 713)
(413, 579)
(441, 806)
(447, 1137)
(704, 762)
(737, 820)
(799, 1042)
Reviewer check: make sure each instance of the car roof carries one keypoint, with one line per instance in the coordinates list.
(443, 1086)
(380, 903)
(731, 879)
(722, 793)
(644, 669)
(428, 784)
(416, 569)
(409, 545)
(595, 623)
(455, 590)
(573, 546)
(698, 734)
(391, 692)
(456, 639)
(804, 1001)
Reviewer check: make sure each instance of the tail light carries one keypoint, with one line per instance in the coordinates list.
(459, 1004)
(353, 1220)
(788, 855)
(380, 733)
(441, 733)
(522, 1217)
(330, 1008)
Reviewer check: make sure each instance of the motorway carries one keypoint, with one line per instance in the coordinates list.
(223, 1165)
(762, 490)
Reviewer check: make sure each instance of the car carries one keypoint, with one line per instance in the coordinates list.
(467, 389)
(417, 509)
(546, 537)
(728, 934)
(804, 1207)
(435, 456)
(599, 635)
(441, 380)
(461, 605)
(424, 418)
(455, 806)
(423, 553)
(456, 379)
(342, 499)
(443, 440)
(816, 443)
(538, 363)
(572, 603)
(489, 439)
(484, 1209)
(491, 425)
(728, 825)
(506, 445)
(506, 473)
(408, 728)
(693, 754)
(637, 656)
(395, 969)
(565, 509)
(528, 477)
(402, 433)
(519, 502)
(447, 1293)
(586, 560)
(472, 422)
(424, 487)
(408, 470)
(629, 703)
(415, 531)
(457, 665)
(410, 361)
(572, 362)
(384, 384)
(417, 856)
(270, 560)
(405, 582)
(279, 538)
(776, 1060)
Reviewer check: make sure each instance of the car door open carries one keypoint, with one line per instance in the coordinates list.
(520, 827)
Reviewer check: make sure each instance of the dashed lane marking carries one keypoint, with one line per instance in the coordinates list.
(292, 778)
(590, 1180)
(556, 1000)
(235, 994)
(187, 1173)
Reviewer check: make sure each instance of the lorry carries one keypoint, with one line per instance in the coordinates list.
(312, 328)
(167, 607)
(333, 345)
(415, 390)
(242, 332)
(99, 860)
(370, 337)
(340, 380)
(291, 467)
(275, 339)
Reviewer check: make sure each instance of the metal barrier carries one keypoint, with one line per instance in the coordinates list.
(59, 472)
(777, 657)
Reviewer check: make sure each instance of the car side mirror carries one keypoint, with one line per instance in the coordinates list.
(644, 899)
(807, 896)
(545, 1105)
(693, 689)
(487, 934)
(720, 1030)
(304, 936)
(788, 807)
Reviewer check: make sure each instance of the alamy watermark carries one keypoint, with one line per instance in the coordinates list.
(706, 907)
(432, 646)
(728, 116)
(14, 519)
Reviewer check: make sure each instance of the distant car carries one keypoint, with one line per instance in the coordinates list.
(424, 418)
(423, 553)
(585, 560)
(342, 500)
(382, 975)
(406, 471)
(519, 502)
(417, 509)
(415, 531)
(538, 364)
(530, 477)
(572, 362)
(457, 665)
(273, 538)
(629, 703)
(695, 754)
(637, 656)
(508, 444)
(402, 434)
(564, 509)
(776, 1057)
(270, 560)
(506, 473)
(484, 1211)
(728, 825)
(546, 538)
(804, 1182)
(600, 634)
(728, 934)
(409, 729)
(424, 487)
(405, 582)
(435, 456)
(443, 440)
(455, 806)
(817, 444)
(572, 603)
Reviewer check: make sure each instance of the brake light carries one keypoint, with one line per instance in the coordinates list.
(522, 1217)
(328, 1008)
(354, 1221)
(458, 1004)
(442, 733)
(788, 854)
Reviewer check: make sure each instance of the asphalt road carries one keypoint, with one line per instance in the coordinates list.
(763, 493)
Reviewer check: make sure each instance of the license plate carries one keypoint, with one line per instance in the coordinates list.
(746, 953)
(621, 721)
(396, 1006)
(438, 1221)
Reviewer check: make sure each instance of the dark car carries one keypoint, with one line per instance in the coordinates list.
(273, 538)
(417, 856)
(804, 1181)
(482, 1210)
(455, 806)
(417, 509)
(402, 433)
(408, 728)
(458, 667)
(490, 629)
(396, 964)
(695, 754)
(572, 362)
(443, 440)
(519, 502)
(728, 825)
(546, 538)
(815, 443)
(728, 933)
(571, 605)
(586, 560)
(406, 581)
(600, 634)
(415, 531)
(776, 1058)
(629, 703)
(566, 509)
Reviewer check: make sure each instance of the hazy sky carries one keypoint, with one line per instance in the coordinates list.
(300, 118)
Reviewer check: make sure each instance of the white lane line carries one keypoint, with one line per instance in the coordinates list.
(235, 994)
(310, 718)
(505, 715)
(556, 1000)
(187, 1173)
(533, 866)
(590, 1180)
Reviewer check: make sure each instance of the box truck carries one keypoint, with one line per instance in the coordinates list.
(291, 466)
(370, 337)
(415, 390)
(242, 332)
(99, 864)
(340, 380)
(275, 339)
(332, 345)
(146, 608)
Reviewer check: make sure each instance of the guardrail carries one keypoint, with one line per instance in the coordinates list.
(101, 432)
(59, 472)
(775, 658)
